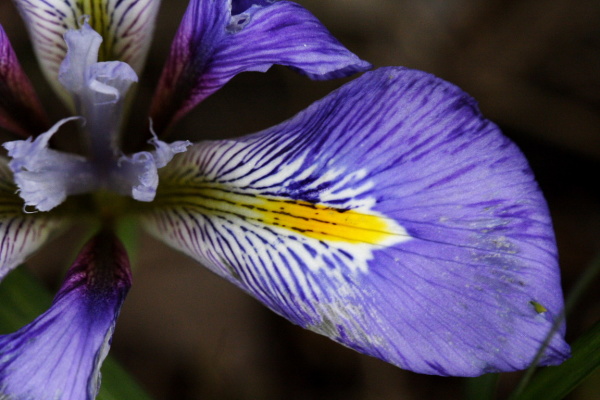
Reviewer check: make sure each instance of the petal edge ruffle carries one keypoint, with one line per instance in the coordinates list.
(21, 234)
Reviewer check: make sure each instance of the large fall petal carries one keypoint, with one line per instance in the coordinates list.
(58, 356)
(389, 216)
(212, 46)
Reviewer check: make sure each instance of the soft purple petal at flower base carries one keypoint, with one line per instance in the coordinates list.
(20, 109)
(58, 356)
(389, 216)
(212, 46)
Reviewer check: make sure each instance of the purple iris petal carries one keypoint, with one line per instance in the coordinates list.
(389, 216)
(58, 356)
(212, 46)
(20, 109)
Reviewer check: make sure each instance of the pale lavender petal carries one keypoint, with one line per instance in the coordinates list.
(21, 233)
(125, 25)
(58, 356)
(165, 152)
(98, 90)
(212, 46)
(46, 177)
(136, 175)
(389, 216)
(20, 109)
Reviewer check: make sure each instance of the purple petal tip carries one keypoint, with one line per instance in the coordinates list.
(58, 356)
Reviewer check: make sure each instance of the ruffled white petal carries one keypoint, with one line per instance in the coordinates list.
(21, 234)
(45, 177)
(137, 175)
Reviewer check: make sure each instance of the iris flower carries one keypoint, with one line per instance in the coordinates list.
(390, 216)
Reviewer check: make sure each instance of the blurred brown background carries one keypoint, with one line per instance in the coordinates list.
(534, 66)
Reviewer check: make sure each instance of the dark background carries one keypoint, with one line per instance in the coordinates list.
(534, 67)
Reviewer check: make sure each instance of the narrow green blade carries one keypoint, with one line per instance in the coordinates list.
(22, 299)
(117, 384)
(482, 387)
(554, 383)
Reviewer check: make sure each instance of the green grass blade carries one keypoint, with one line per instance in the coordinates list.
(482, 387)
(22, 299)
(554, 383)
(117, 385)
(590, 274)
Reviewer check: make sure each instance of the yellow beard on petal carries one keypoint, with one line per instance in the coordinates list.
(324, 222)
(317, 221)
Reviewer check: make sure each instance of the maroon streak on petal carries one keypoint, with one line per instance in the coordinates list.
(20, 109)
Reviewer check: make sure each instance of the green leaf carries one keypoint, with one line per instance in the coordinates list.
(581, 346)
(128, 231)
(482, 387)
(22, 299)
(554, 383)
(117, 384)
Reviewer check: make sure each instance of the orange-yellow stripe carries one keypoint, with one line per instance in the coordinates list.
(317, 221)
